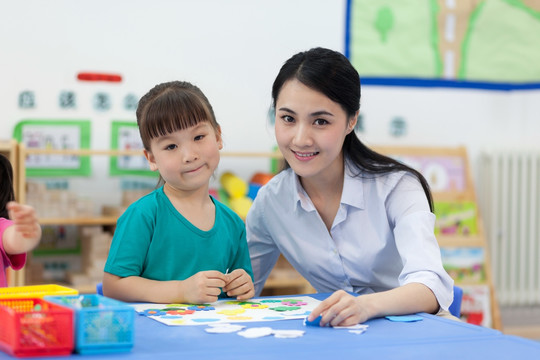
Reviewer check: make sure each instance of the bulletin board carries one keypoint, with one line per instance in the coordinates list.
(55, 135)
(466, 43)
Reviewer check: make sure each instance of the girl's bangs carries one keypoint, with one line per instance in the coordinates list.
(165, 116)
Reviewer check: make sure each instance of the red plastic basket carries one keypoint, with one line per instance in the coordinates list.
(35, 327)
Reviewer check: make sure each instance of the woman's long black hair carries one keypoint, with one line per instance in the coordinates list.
(331, 73)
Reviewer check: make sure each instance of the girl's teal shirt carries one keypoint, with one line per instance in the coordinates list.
(153, 240)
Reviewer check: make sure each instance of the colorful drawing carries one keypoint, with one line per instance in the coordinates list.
(226, 311)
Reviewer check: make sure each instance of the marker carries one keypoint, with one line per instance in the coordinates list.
(314, 322)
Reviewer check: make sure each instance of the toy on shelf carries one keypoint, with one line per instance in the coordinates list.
(257, 181)
(237, 193)
(236, 190)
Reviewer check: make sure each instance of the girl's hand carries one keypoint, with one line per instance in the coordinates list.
(25, 233)
(341, 309)
(25, 220)
(239, 284)
(203, 287)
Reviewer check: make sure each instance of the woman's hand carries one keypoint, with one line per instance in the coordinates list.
(341, 309)
(239, 284)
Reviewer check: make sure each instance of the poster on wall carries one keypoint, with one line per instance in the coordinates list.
(467, 43)
(125, 136)
(55, 135)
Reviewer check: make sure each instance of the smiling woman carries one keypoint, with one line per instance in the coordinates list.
(347, 218)
(310, 131)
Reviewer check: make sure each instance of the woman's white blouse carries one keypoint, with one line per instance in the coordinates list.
(382, 236)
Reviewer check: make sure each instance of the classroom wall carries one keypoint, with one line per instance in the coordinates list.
(232, 50)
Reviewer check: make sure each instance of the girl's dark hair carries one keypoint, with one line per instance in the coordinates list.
(7, 193)
(331, 73)
(172, 106)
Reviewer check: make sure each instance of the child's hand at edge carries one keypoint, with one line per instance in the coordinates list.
(239, 284)
(26, 229)
(203, 287)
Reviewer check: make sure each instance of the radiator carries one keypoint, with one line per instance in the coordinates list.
(509, 198)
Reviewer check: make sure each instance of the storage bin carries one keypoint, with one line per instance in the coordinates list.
(35, 327)
(35, 291)
(102, 325)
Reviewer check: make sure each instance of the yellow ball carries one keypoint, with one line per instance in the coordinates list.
(233, 185)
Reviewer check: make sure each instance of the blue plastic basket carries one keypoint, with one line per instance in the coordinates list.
(102, 325)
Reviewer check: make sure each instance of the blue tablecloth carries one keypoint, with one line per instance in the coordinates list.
(431, 338)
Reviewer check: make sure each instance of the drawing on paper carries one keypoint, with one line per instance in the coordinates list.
(227, 311)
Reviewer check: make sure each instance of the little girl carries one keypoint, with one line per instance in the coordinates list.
(19, 227)
(178, 244)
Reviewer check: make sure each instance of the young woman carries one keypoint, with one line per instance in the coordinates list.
(347, 218)
(177, 244)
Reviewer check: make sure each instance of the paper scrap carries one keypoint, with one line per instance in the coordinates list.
(288, 334)
(223, 328)
(353, 327)
(357, 332)
(256, 332)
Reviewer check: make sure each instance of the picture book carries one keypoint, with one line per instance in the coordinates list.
(475, 305)
(455, 218)
(443, 173)
(464, 264)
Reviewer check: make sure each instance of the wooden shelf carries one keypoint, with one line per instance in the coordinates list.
(460, 241)
(85, 289)
(90, 152)
(466, 193)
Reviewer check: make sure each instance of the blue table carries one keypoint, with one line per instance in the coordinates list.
(431, 338)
